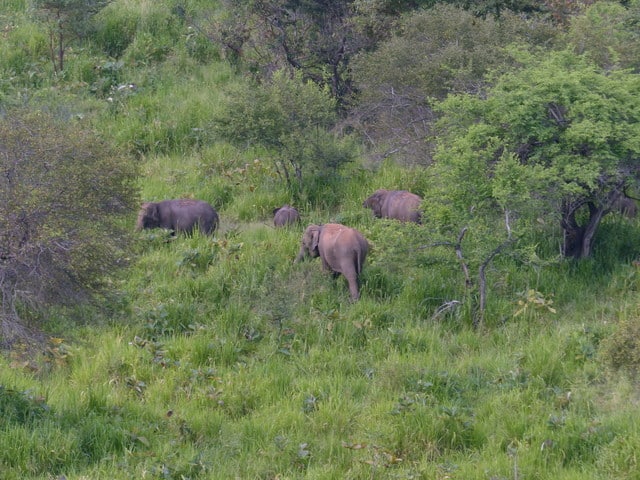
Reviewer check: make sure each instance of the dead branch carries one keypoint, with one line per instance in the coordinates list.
(478, 317)
(465, 269)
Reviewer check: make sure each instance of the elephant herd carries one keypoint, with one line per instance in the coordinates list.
(341, 249)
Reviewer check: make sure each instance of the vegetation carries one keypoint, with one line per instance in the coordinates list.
(478, 348)
(549, 141)
(65, 193)
(66, 20)
(291, 118)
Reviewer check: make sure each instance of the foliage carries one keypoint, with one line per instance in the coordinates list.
(220, 358)
(157, 112)
(396, 87)
(290, 116)
(622, 348)
(548, 139)
(608, 33)
(115, 28)
(65, 192)
(20, 407)
(21, 48)
(66, 20)
(315, 38)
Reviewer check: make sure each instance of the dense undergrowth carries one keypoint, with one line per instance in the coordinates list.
(221, 358)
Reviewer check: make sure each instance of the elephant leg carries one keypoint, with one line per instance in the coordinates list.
(326, 266)
(352, 280)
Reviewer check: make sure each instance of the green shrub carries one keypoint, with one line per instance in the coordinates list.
(292, 117)
(115, 28)
(147, 48)
(105, 79)
(62, 217)
(201, 48)
(22, 50)
(21, 407)
(622, 349)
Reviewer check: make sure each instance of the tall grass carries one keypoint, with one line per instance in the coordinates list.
(224, 359)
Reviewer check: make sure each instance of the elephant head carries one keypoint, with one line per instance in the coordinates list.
(310, 241)
(375, 201)
(148, 216)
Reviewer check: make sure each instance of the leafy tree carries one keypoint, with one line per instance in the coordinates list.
(290, 117)
(555, 142)
(398, 82)
(495, 8)
(608, 32)
(66, 20)
(65, 193)
(315, 37)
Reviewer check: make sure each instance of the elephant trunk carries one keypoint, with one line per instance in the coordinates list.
(300, 255)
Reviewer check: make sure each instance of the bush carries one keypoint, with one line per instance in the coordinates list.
(115, 29)
(61, 234)
(21, 49)
(290, 116)
(622, 349)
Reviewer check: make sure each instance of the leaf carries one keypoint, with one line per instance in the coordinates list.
(142, 440)
(354, 446)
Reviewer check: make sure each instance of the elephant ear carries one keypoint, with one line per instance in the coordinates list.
(380, 196)
(376, 200)
(154, 212)
(315, 238)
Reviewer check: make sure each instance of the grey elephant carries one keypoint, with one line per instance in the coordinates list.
(626, 206)
(285, 215)
(397, 204)
(341, 249)
(180, 215)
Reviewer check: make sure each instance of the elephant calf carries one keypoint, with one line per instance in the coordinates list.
(398, 204)
(180, 215)
(342, 250)
(285, 215)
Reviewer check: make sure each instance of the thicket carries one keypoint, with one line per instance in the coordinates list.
(65, 193)
(219, 358)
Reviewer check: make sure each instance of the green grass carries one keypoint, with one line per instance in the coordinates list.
(233, 362)
(223, 359)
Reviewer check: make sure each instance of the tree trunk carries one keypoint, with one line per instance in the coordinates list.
(61, 50)
(578, 239)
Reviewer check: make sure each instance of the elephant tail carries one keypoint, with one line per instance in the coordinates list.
(359, 260)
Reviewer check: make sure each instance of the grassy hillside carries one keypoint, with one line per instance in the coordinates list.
(231, 362)
(220, 358)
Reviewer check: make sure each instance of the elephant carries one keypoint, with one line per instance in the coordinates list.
(180, 215)
(341, 249)
(626, 206)
(285, 215)
(398, 204)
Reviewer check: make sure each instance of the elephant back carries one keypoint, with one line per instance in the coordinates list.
(185, 214)
(402, 205)
(285, 215)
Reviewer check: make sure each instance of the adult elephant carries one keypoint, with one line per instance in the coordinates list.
(626, 206)
(285, 215)
(398, 204)
(180, 215)
(342, 250)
